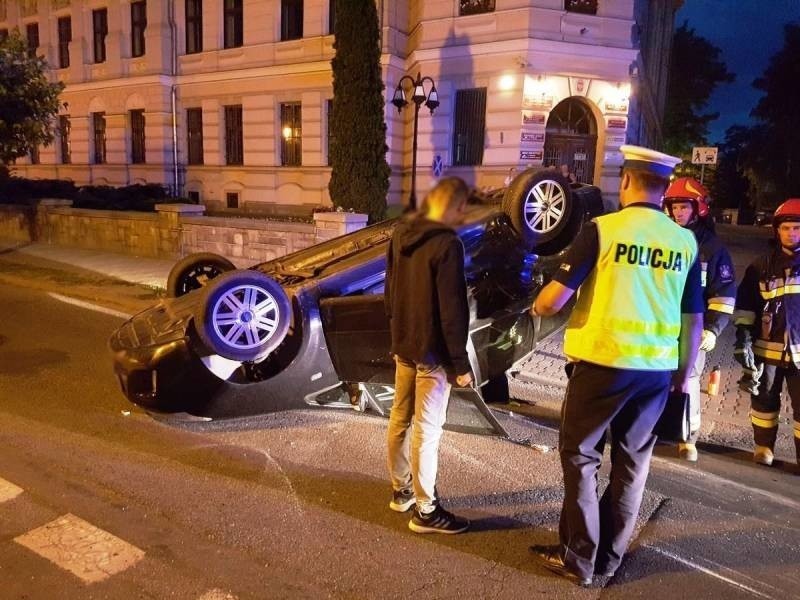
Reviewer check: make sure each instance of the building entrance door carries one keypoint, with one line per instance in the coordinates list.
(571, 139)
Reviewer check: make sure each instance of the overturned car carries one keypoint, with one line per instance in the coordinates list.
(310, 328)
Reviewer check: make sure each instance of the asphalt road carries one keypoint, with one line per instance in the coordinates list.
(294, 504)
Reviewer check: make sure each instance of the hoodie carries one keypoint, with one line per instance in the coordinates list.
(426, 294)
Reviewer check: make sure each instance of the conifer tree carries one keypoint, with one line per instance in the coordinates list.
(359, 171)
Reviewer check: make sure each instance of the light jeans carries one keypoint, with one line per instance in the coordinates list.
(421, 396)
(694, 396)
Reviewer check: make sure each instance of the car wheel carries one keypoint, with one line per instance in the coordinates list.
(539, 205)
(195, 271)
(244, 316)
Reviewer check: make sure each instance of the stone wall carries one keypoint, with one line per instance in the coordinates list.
(173, 231)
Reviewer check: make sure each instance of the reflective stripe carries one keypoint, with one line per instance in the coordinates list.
(777, 355)
(638, 327)
(722, 307)
(743, 317)
(781, 291)
(762, 419)
(767, 345)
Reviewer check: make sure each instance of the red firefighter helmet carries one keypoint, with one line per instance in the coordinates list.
(788, 211)
(687, 189)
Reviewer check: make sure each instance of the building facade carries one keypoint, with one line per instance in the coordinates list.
(227, 101)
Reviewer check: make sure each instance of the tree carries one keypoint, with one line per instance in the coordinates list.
(730, 188)
(28, 101)
(359, 171)
(695, 71)
(774, 155)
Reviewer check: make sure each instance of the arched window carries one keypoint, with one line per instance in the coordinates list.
(586, 7)
(571, 117)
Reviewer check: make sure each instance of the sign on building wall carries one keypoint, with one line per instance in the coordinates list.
(531, 137)
(532, 118)
(579, 86)
(540, 102)
(617, 123)
(530, 155)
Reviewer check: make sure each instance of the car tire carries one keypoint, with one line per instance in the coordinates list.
(244, 316)
(195, 271)
(540, 206)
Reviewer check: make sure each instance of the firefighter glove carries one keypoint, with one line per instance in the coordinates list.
(708, 340)
(744, 356)
(750, 379)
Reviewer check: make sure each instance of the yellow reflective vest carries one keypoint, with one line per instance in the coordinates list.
(628, 310)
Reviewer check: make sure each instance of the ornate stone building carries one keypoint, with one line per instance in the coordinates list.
(227, 100)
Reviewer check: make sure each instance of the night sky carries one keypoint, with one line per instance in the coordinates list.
(748, 32)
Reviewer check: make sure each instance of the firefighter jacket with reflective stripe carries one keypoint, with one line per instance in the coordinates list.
(628, 311)
(768, 306)
(718, 278)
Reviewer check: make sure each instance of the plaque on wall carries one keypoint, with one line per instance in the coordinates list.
(540, 102)
(532, 118)
(615, 140)
(531, 137)
(621, 107)
(617, 123)
(530, 155)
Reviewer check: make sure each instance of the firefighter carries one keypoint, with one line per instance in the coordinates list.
(767, 319)
(686, 201)
(633, 333)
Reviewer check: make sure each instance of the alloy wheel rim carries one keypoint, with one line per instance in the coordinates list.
(245, 317)
(544, 206)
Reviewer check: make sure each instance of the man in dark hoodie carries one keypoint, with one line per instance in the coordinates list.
(686, 201)
(426, 300)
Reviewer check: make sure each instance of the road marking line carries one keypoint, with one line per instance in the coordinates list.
(778, 498)
(89, 306)
(79, 547)
(702, 569)
(8, 491)
(217, 594)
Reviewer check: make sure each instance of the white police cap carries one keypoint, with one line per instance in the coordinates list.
(645, 159)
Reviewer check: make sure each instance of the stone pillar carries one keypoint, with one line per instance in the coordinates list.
(170, 229)
(328, 225)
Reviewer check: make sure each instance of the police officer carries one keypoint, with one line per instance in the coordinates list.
(686, 201)
(767, 319)
(638, 318)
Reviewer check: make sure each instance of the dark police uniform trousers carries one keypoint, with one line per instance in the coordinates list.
(629, 403)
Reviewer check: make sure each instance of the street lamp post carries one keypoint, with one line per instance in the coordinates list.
(431, 100)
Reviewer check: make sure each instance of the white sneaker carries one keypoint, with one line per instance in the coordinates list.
(763, 455)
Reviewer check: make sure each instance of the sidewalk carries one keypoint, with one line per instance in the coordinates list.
(152, 272)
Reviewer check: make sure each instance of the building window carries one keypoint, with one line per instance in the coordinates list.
(138, 25)
(194, 26)
(100, 31)
(331, 16)
(291, 134)
(331, 138)
(470, 123)
(32, 37)
(586, 7)
(3, 35)
(99, 137)
(63, 139)
(64, 38)
(234, 28)
(474, 7)
(234, 151)
(137, 136)
(34, 155)
(232, 199)
(194, 197)
(194, 132)
(291, 19)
